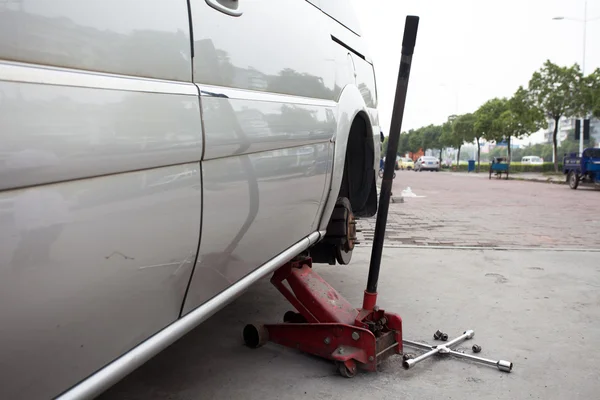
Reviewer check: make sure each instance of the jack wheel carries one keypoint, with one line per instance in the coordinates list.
(345, 371)
(292, 317)
(255, 336)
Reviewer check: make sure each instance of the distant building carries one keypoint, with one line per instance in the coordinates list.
(566, 126)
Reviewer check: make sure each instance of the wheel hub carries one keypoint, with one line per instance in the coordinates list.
(340, 239)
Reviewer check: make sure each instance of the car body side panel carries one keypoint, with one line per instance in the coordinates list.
(255, 206)
(259, 123)
(88, 270)
(133, 37)
(347, 44)
(348, 38)
(274, 52)
(269, 117)
(342, 13)
(100, 184)
(355, 93)
(365, 81)
(351, 104)
(59, 132)
(243, 123)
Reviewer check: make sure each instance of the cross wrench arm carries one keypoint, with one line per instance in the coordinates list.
(417, 345)
(502, 365)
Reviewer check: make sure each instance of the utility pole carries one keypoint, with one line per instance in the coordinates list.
(585, 20)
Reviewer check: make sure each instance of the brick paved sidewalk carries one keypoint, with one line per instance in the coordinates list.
(459, 211)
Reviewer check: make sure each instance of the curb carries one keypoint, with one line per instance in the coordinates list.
(537, 180)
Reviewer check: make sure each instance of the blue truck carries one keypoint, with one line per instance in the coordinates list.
(584, 170)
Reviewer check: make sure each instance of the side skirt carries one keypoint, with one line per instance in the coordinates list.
(106, 377)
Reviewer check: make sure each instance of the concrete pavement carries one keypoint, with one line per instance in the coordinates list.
(443, 268)
(538, 309)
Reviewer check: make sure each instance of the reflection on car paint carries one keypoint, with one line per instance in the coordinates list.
(77, 258)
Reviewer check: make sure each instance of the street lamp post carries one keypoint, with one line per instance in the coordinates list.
(585, 20)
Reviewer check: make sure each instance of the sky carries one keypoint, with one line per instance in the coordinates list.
(469, 51)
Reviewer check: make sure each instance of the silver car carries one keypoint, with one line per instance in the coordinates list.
(159, 157)
(427, 163)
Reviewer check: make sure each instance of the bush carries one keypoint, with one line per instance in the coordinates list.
(545, 167)
(515, 167)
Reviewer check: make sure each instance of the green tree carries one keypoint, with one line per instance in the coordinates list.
(520, 118)
(419, 140)
(557, 91)
(477, 135)
(463, 130)
(415, 140)
(487, 123)
(403, 146)
(592, 93)
(572, 146)
(526, 117)
(431, 138)
(446, 138)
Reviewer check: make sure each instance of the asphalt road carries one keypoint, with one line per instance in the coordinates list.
(537, 307)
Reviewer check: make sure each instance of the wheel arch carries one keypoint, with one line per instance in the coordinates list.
(352, 110)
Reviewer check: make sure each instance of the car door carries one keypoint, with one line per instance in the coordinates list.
(267, 84)
(100, 144)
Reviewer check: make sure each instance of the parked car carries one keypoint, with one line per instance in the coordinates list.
(406, 163)
(532, 160)
(427, 163)
(149, 176)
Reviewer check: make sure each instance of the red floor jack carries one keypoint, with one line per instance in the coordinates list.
(326, 324)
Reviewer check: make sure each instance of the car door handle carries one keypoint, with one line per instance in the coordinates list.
(229, 7)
